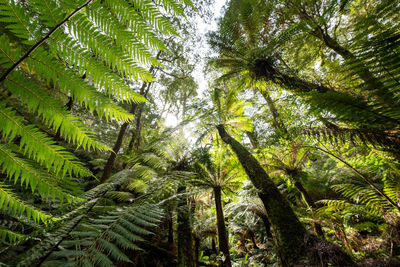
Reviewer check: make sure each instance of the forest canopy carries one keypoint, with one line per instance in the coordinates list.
(169, 133)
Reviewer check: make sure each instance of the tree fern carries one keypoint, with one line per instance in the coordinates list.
(91, 52)
(103, 239)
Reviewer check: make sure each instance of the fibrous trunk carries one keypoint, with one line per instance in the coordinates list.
(222, 234)
(186, 256)
(310, 202)
(288, 231)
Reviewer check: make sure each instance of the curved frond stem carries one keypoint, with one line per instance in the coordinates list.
(365, 178)
(34, 47)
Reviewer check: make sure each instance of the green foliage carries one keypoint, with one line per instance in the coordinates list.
(9, 237)
(11, 204)
(103, 239)
(89, 52)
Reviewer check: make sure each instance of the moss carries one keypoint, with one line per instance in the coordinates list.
(288, 231)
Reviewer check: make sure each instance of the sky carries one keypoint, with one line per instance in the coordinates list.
(203, 27)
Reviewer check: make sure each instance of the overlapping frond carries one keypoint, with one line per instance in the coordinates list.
(92, 53)
(11, 204)
(357, 136)
(18, 169)
(363, 195)
(37, 146)
(8, 236)
(104, 239)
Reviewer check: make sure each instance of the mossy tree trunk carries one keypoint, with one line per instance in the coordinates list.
(197, 250)
(277, 122)
(288, 231)
(310, 202)
(222, 233)
(267, 225)
(186, 256)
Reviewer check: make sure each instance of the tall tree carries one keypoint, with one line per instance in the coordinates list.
(253, 48)
(219, 176)
(288, 231)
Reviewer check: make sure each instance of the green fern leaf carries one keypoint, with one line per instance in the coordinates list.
(38, 146)
(12, 205)
(9, 237)
(19, 169)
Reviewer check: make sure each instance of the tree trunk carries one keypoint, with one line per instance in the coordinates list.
(214, 246)
(222, 233)
(170, 229)
(277, 121)
(185, 238)
(267, 226)
(369, 79)
(263, 69)
(197, 250)
(117, 146)
(310, 202)
(113, 154)
(253, 139)
(288, 231)
(331, 43)
(253, 239)
(135, 139)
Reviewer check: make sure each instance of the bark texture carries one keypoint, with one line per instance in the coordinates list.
(288, 231)
(310, 202)
(264, 69)
(186, 255)
(144, 89)
(277, 122)
(222, 233)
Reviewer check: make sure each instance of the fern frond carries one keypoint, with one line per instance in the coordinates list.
(102, 46)
(338, 135)
(9, 237)
(120, 196)
(353, 110)
(113, 28)
(16, 168)
(150, 12)
(392, 190)
(107, 236)
(38, 146)
(12, 205)
(112, 250)
(50, 13)
(39, 101)
(363, 195)
(172, 6)
(99, 74)
(334, 207)
(79, 89)
(19, 23)
(136, 23)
